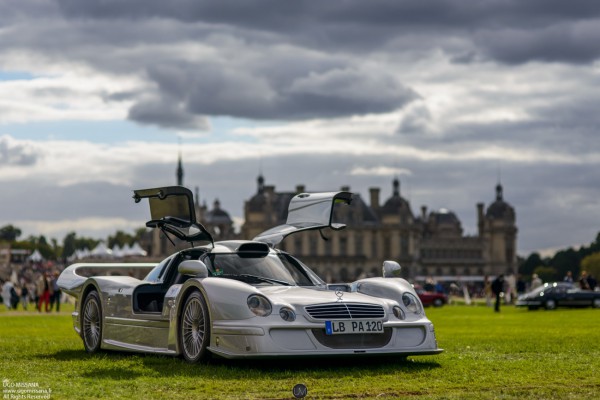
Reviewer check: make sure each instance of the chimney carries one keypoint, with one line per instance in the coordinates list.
(269, 190)
(300, 189)
(480, 218)
(374, 198)
(423, 213)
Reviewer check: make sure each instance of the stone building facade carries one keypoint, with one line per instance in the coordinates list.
(428, 244)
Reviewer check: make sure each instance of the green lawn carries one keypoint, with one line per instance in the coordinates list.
(515, 354)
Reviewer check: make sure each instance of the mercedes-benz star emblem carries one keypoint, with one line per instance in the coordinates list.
(339, 295)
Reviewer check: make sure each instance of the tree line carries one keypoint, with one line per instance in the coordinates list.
(586, 258)
(53, 250)
(548, 269)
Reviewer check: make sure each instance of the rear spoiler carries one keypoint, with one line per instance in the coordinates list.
(73, 277)
(307, 211)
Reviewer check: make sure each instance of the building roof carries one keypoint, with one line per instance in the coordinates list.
(396, 204)
(500, 209)
(217, 216)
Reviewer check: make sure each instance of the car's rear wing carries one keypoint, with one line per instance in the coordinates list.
(307, 211)
(73, 277)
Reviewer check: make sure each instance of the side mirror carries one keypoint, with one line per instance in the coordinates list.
(391, 269)
(195, 268)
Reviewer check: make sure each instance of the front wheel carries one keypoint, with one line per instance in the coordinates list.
(550, 304)
(194, 329)
(91, 325)
(596, 303)
(438, 303)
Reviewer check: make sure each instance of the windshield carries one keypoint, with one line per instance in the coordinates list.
(256, 268)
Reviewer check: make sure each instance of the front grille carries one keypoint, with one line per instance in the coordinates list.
(345, 311)
(355, 341)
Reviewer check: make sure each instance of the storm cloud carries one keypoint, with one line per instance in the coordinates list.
(451, 95)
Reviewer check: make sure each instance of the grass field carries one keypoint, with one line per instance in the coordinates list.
(517, 354)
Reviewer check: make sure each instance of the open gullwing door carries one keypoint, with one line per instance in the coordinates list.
(172, 210)
(307, 211)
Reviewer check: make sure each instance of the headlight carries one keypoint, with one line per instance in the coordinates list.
(259, 305)
(411, 303)
(287, 314)
(398, 312)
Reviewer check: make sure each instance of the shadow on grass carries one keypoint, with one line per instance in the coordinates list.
(102, 366)
(112, 373)
(282, 368)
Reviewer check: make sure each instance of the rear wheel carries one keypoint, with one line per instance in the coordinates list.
(91, 325)
(194, 329)
(550, 304)
(438, 303)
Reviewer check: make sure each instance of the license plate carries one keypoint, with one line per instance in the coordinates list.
(349, 327)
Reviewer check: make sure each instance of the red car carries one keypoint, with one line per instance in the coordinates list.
(432, 298)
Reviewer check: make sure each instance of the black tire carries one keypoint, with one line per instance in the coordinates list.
(194, 329)
(596, 303)
(91, 322)
(550, 304)
(438, 302)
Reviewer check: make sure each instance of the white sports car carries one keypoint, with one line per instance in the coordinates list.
(245, 299)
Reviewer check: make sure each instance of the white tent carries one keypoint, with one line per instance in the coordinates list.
(136, 250)
(101, 251)
(36, 256)
(117, 252)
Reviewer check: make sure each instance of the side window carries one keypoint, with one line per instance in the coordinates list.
(157, 274)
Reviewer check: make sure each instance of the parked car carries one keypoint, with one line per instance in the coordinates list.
(558, 294)
(432, 298)
(245, 298)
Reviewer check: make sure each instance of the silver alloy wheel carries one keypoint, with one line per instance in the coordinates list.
(92, 324)
(193, 328)
(550, 304)
(596, 303)
(438, 303)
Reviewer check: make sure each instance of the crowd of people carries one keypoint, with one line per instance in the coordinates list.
(43, 292)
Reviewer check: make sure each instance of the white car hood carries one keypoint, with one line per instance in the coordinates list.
(302, 296)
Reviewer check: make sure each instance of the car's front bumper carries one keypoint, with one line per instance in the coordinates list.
(234, 341)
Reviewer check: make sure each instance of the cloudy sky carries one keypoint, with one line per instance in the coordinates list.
(447, 95)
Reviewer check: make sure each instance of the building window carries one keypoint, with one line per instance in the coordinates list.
(344, 274)
(343, 246)
(328, 246)
(387, 247)
(298, 245)
(358, 244)
(404, 245)
(312, 242)
(374, 252)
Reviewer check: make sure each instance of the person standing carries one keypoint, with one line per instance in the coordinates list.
(487, 290)
(43, 290)
(568, 277)
(24, 295)
(497, 289)
(583, 281)
(7, 289)
(56, 292)
(535, 281)
(511, 283)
